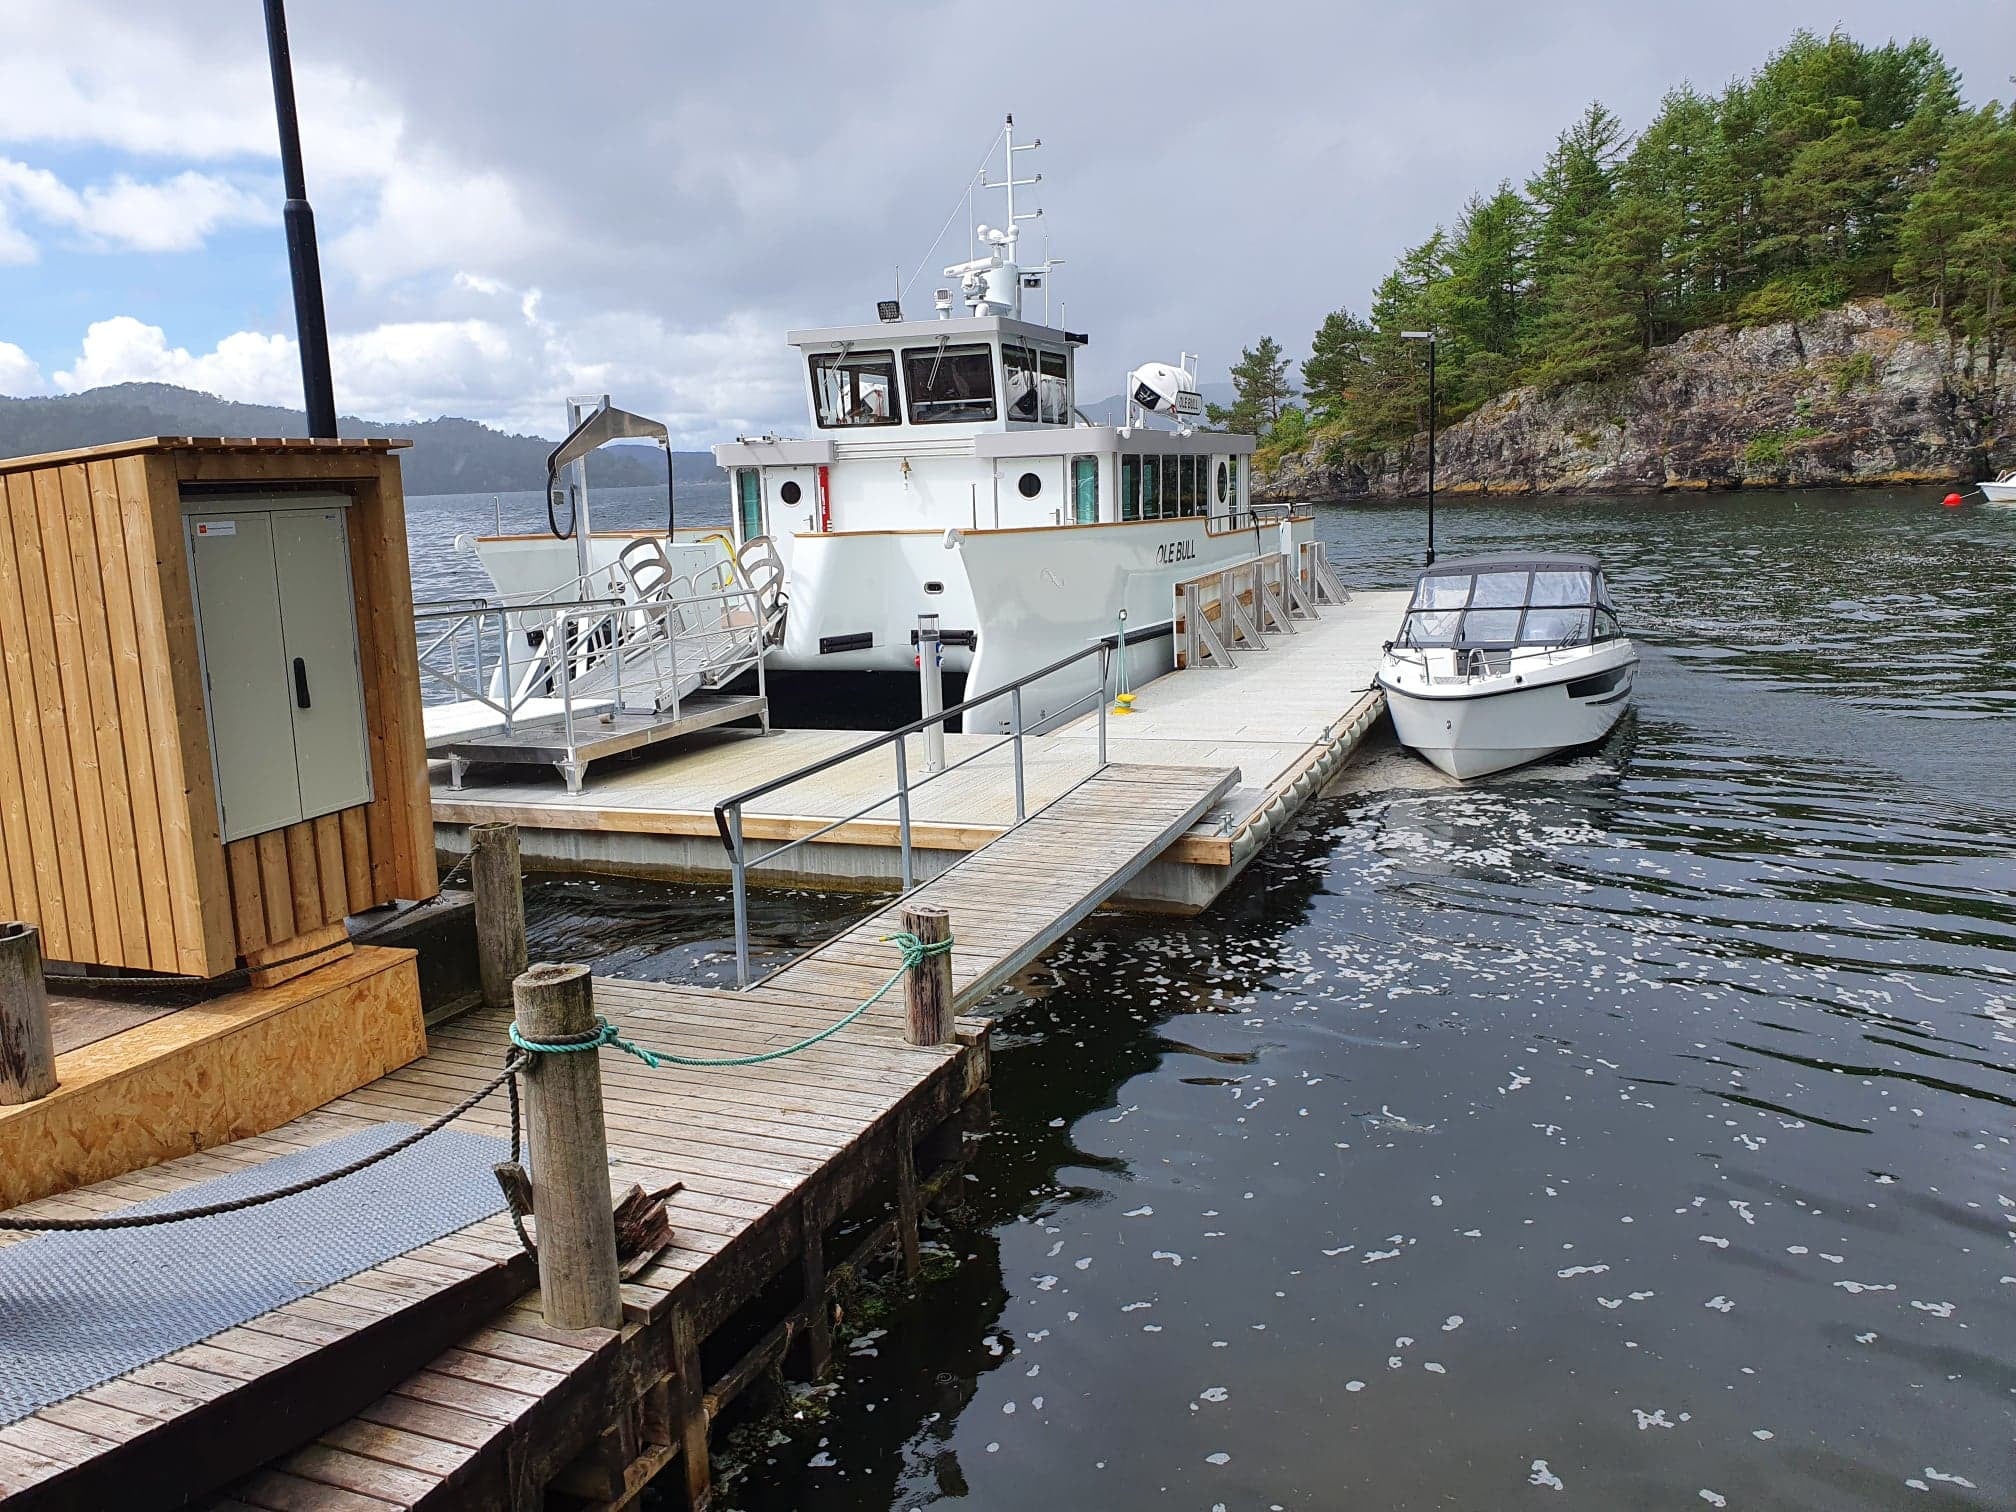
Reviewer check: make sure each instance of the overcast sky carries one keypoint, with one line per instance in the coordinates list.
(520, 201)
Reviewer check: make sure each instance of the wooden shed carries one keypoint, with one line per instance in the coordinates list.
(210, 748)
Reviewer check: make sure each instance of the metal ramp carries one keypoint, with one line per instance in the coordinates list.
(600, 666)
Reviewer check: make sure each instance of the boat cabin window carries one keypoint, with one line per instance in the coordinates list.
(854, 388)
(1512, 606)
(1056, 388)
(1035, 384)
(949, 384)
(1164, 488)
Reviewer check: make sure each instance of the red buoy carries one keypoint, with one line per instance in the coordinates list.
(1952, 501)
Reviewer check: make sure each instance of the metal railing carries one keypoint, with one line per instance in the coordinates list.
(597, 653)
(728, 812)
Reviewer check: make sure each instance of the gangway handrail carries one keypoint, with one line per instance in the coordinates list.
(728, 812)
(646, 629)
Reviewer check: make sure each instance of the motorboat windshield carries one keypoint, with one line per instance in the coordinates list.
(1497, 603)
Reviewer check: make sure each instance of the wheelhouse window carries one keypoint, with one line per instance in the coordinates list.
(854, 388)
(949, 384)
(1055, 388)
(1035, 384)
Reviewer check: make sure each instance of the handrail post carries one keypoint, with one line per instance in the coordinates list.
(1105, 671)
(504, 661)
(903, 812)
(739, 870)
(1015, 734)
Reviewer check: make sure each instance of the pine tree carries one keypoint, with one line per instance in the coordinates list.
(1957, 240)
(1260, 387)
(1338, 362)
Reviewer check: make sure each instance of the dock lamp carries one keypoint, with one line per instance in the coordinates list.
(1429, 337)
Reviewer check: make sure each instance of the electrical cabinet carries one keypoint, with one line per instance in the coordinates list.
(277, 632)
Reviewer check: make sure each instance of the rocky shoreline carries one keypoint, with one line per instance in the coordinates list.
(1850, 397)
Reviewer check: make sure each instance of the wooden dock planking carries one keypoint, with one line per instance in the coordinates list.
(1295, 708)
(768, 1155)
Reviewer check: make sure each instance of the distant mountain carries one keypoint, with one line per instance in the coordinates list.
(447, 456)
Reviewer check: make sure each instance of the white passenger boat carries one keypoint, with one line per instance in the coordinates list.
(2001, 490)
(1502, 660)
(947, 471)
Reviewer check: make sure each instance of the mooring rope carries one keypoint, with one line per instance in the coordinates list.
(915, 953)
(308, 1184)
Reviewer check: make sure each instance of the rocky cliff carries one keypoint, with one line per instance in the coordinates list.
(1852, 396)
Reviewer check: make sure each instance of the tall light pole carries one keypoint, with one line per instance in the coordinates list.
(311, 325)
(1429, 337)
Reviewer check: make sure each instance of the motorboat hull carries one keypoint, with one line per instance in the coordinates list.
(2000, 492)
(1494, 724)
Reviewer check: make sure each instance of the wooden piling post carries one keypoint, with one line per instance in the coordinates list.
(499, 885)
(27, 1054)
(927, 990)
(578, 1282)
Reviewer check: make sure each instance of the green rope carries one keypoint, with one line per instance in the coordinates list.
(915, 953)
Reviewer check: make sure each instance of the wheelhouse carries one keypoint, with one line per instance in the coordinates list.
(1501, 602)
(971, 422)
(985, 372)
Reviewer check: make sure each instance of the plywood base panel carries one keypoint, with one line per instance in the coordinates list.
(223, 1070)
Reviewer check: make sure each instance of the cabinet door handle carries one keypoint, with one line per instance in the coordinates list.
(300, 683)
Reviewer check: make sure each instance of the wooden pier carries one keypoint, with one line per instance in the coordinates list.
(431, 1381)
(1287, 716)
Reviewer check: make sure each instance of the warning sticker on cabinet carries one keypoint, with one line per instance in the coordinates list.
(216, 527)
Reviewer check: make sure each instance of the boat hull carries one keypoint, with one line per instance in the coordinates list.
(1998, 493)
(1495, 724)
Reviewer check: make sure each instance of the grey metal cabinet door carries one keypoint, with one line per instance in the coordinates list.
(244, 671)
(311, 553)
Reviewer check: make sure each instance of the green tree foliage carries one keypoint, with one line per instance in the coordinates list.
(1956, 242)
(1835, 170)
(1260, 388)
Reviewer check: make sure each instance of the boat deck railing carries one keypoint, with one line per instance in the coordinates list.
(728, 813)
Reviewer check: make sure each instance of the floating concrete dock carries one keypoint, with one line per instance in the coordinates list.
(428, 1380)
(1287, 717)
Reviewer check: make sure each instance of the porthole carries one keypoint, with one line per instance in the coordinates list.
(1224, 481)
(1029, 485)
(932, 585)
(791, 493)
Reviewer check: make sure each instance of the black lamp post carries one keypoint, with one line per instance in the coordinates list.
(1429, 337)
(311, 325)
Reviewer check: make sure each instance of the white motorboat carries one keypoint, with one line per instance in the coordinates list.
(2000, 490)
(1502, 660)
(948, 472)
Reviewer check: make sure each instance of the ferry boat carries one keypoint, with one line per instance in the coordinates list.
(1504, 659)
(947, 470)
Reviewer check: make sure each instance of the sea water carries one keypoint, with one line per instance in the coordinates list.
(1630, 1131)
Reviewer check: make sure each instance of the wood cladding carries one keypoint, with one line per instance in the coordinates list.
(109, 837)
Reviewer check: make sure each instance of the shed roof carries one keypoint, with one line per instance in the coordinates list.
(279, 444)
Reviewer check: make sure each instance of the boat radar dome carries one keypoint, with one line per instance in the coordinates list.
(1159, 388)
